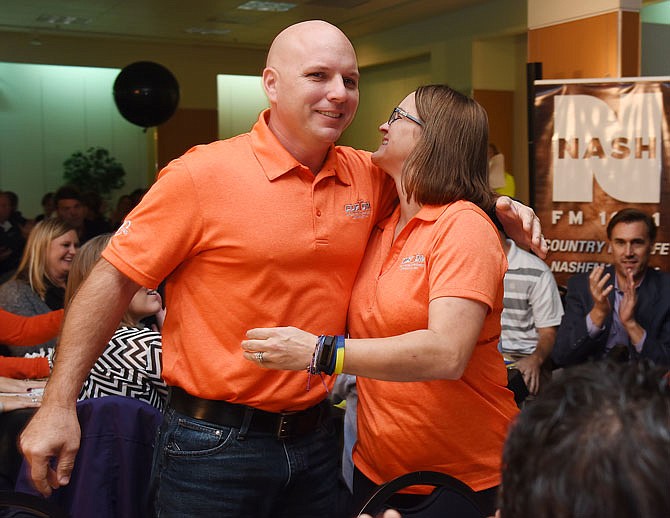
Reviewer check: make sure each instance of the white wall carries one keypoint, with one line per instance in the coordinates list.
(542, 12)
(655, 39)
(47, 113)
(240, 100)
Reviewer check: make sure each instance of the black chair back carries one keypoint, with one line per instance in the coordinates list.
(451, 498)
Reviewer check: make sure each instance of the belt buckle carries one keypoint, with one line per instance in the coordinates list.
(285, 425)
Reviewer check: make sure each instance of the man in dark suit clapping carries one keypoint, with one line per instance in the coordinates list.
(622, 310)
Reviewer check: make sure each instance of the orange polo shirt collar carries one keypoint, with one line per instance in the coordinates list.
(431, 212)
(277, 161)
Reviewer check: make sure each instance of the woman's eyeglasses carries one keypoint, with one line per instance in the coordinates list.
(399, 112)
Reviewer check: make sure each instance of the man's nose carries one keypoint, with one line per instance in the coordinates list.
(336, 89)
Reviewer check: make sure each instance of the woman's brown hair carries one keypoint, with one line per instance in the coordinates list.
(83, 263)
(450, 161)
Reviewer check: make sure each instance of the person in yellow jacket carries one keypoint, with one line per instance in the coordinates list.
(500, 180)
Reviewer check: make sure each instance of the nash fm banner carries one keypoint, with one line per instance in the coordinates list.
(600, 146)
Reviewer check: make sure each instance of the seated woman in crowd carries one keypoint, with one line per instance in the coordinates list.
(39, 283)
(432, 392)
(132, 362)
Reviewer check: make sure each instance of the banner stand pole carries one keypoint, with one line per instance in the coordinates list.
(533, 73)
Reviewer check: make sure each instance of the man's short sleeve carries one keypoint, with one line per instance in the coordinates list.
(161, 232)
(545, 301)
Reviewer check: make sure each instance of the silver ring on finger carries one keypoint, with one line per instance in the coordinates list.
(259, 357)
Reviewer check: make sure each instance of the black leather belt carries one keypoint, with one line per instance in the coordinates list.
(284, 425)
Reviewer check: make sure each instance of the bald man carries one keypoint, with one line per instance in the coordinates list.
(267, 228)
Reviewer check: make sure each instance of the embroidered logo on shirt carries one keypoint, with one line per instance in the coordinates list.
(413, 262)
(124, 229)
(358, 210)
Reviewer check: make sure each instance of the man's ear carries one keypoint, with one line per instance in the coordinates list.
(270, 84)
(497, 515)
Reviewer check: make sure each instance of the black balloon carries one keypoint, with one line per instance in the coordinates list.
(146, 93)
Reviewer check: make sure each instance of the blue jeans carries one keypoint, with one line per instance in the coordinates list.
(202, 470)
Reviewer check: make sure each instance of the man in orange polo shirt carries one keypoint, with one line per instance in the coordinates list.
(267, 228)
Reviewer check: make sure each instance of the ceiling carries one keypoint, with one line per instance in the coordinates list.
(211, 22)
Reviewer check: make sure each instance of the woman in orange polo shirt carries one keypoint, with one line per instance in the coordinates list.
(432, 392)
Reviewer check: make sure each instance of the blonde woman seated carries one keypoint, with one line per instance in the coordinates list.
(39, 283)
(132, 362)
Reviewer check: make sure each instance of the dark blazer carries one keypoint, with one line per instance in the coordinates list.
(113, 465)
(652, 311)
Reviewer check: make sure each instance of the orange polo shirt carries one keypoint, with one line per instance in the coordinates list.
(454, 426)
(248, 237)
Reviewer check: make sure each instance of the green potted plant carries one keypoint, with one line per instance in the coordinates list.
(94, 170)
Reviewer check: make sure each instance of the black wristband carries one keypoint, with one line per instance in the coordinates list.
(323, 362)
